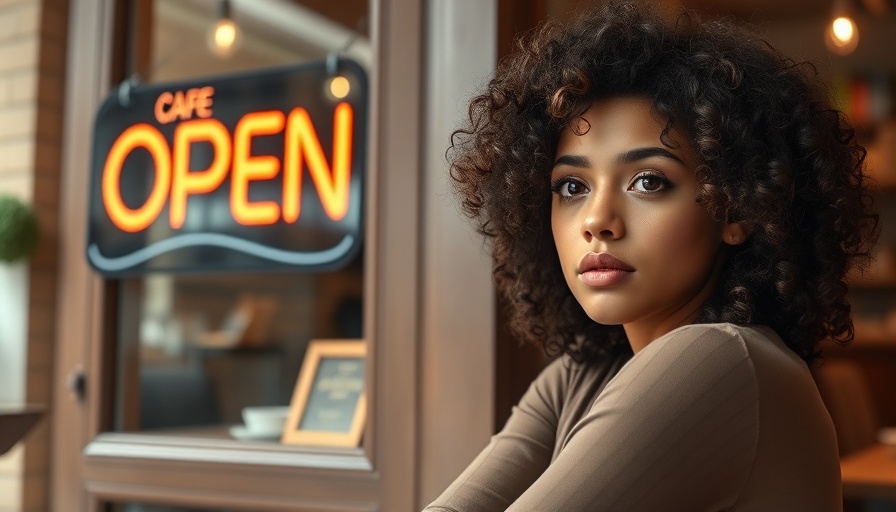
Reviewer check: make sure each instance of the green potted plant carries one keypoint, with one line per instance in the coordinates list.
(19, 231)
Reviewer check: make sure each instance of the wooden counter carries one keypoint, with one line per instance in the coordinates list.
(870, 473)
(15, 422)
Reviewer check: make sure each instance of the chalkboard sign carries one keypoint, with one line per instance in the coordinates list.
(328, 404)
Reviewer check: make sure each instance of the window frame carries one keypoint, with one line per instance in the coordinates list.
(93, 466)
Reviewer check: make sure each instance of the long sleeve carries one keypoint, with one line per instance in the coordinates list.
(706, 418)
(525, 447)
(676, 429)
(516, 456)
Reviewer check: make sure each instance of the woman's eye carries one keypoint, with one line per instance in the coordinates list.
(650, 183)
(568, 188)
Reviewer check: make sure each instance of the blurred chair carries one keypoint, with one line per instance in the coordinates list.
(248, 324)
(844, 390)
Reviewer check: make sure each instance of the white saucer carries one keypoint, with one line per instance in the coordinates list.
(244, 434)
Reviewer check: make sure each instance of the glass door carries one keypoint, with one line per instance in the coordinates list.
(163, 368)
(197, 352)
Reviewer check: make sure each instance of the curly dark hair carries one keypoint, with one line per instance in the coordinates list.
(777, 157)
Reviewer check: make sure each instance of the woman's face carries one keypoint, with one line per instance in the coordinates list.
(635, 247)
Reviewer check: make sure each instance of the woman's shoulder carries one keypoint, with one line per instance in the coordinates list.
(699, 356)
(721, 331)
(739, 342)
(710, 359)
(719, 358)
(717, 347)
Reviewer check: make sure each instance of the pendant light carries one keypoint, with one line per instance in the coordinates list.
(841, 34)
(224, 36)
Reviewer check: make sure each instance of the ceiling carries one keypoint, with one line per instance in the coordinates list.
(755, 12)
(779, 10)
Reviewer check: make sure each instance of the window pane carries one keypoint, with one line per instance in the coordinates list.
(193, 351)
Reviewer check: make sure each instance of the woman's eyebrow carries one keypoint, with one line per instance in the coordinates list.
(642, 153)
(573, 161)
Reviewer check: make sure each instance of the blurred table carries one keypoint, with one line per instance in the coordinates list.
(15, 422)
(870, 473)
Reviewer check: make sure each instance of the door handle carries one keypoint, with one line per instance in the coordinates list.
(76, 382)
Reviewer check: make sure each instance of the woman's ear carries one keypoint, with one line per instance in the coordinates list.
(736, 233)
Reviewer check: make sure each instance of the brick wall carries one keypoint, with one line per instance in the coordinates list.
(32, 79)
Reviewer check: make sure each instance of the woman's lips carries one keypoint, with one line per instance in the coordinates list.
(603, 269)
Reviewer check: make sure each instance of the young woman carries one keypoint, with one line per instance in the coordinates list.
(672, 207)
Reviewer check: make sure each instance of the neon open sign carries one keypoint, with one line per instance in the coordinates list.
(247, 172)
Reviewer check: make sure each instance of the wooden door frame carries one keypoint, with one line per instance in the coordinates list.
(83, 474)
(74, 419)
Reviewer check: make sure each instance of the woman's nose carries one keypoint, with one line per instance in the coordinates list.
(602, 218)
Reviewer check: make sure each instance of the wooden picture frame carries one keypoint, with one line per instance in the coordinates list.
(329, 404)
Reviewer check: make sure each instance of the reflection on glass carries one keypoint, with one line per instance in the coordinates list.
(195, 351)
(209, 346)
(270, 33)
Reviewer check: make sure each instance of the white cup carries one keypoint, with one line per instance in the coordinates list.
(267, 420)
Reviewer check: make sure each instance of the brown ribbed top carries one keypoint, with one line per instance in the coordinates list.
(708, 417)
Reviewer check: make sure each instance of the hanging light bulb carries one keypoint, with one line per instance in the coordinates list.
(842, 34)
(224, 36)
(340, 87)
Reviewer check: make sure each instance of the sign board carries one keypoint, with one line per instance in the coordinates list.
(256, 171)
(328, 405)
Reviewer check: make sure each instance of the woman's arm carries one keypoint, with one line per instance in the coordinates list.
(677, 429)
(516, 456)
